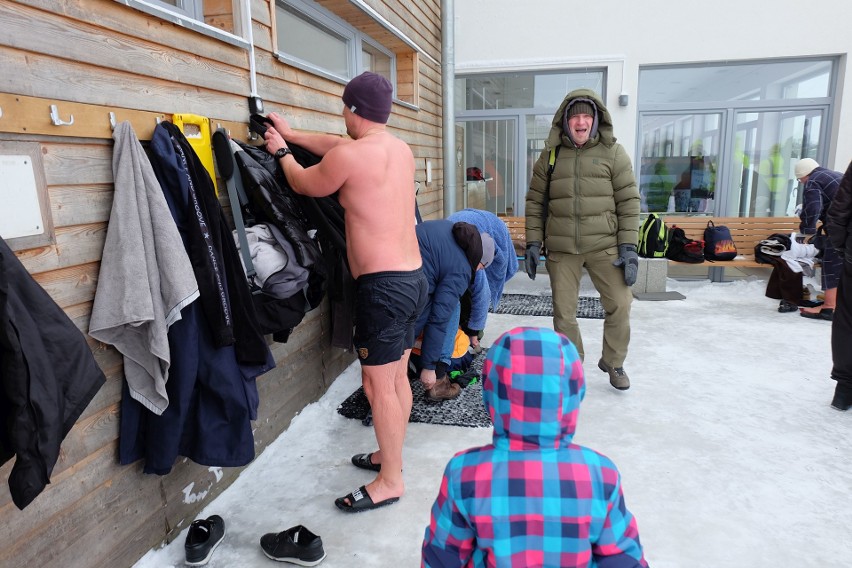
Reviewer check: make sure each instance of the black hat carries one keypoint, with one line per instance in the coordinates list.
(370, 96)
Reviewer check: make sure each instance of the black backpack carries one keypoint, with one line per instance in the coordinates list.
(683, 249)
(653, 237)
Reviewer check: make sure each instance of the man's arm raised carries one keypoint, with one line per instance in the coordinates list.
(314, 142)
(320, 180)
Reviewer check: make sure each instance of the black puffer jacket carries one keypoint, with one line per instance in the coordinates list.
(272, 201)
(839, 217)
(325, 214)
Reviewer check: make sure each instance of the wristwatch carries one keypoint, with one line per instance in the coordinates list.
(281, 152)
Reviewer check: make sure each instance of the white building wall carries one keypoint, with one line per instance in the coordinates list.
(506, 35)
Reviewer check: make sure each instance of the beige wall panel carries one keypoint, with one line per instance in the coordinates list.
(102, 56)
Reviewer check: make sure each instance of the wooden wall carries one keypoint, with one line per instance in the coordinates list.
(101, 56)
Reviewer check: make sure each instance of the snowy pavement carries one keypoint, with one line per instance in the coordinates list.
(730, 454)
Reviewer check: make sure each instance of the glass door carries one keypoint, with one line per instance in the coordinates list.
(490, 166)
(767, 146)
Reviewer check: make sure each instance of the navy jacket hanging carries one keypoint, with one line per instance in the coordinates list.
(211, 388)
(47, 378)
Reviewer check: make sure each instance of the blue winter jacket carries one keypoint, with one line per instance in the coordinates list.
(449, 274)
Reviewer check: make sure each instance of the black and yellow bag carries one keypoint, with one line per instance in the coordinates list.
(654, 237)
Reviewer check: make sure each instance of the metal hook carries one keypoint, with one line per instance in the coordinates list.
(159, 119)
(112, 120)
(54, 116)
(1, 113)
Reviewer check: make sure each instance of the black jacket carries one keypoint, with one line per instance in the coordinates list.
(272, 199)
(47, 378)
(839, 217)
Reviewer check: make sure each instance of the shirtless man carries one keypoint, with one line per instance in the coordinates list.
(374, 173)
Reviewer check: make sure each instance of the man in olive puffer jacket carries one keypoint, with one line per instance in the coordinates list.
(587, 217)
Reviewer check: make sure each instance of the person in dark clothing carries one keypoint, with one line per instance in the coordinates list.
(452, 253)
(839, 230)
(820, 186)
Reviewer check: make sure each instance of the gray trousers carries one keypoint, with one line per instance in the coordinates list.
(565, 271)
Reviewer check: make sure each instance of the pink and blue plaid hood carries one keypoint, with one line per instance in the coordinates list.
(532, 387)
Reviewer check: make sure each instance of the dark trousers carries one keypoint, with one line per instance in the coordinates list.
(841, 329)
(784, 284)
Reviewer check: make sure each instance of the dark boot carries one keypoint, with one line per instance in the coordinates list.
(442, 390)
(842, 396)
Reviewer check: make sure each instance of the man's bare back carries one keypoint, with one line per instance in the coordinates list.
(374, 174)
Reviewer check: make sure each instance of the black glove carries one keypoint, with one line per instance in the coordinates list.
(628, 258)
(532, 258)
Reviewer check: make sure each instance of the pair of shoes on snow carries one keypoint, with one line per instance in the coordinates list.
(296, 545)
(202, 539)
(617, 377)
(824, 314)
(442, 390)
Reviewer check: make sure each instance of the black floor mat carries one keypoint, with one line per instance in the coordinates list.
(466, 410)
(529, 305)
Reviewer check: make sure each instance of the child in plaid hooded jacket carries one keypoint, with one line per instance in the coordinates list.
(532, 497)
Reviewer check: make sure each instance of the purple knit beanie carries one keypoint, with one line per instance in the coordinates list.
(370, 96)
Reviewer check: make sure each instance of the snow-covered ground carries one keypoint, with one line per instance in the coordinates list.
(730, 454)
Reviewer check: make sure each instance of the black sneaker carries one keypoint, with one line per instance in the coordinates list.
(786, 307)
(203, 538)
(296, 545)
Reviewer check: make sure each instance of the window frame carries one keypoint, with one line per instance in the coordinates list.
(186, 19)
(320, 17)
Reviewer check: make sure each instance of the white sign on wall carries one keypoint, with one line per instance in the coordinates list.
(20, 212)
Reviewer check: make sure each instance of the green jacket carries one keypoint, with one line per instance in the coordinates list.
(594, 201)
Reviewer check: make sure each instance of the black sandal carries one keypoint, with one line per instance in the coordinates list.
(360, 500)
(363, 461)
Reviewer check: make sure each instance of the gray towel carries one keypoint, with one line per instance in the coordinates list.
(146, 277)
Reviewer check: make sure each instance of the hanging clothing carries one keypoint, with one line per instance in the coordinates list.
(272, 199)
(208, 241)
(146, 277)
(217, 348)
(47, 378)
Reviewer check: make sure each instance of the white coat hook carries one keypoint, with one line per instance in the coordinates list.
(54, 116)
(159, 119)
(1, 113)
(112, 121)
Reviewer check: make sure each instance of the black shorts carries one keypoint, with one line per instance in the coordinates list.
(387, 305)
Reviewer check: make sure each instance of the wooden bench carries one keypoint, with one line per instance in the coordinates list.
(745, 231)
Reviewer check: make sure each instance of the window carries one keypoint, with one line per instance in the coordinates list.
(216, 18)
(191, 8)
(724, 138)
(316, 40)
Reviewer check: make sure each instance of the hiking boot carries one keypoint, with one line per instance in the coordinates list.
(617, 377)
(842, 397)
(296, 545)
(442, 390)
(202, 539)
